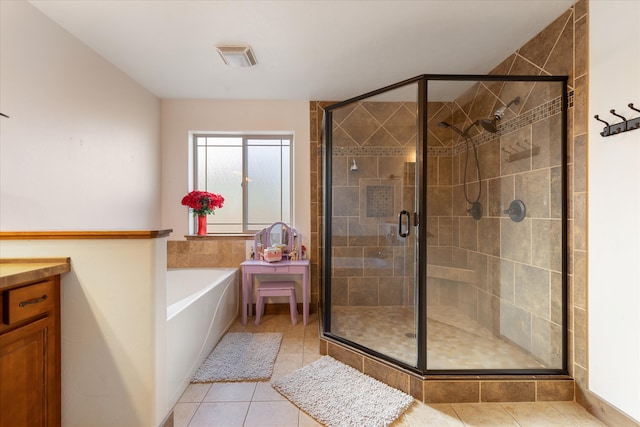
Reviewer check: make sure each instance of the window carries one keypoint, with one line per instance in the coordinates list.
(251, 172)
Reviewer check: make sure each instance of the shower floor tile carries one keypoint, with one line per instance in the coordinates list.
(454, 341)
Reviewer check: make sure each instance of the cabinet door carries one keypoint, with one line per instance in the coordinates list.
(23, 375)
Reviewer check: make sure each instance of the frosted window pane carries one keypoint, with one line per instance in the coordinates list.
(222, 141)
(266, 195)
(224, 177)
(264, 184)
(201, 166)
(286, 185)
(272, 142)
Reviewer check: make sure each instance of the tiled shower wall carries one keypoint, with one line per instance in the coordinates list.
(369, 267)
(560, 49)
(516, 286)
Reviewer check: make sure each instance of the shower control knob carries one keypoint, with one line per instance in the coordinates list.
(516, 211)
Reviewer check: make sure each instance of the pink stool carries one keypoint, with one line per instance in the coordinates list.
(276, 289)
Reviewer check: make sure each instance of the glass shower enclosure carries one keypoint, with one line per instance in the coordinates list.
(445, 224)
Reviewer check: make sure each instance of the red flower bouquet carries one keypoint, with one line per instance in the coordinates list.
(203, 202)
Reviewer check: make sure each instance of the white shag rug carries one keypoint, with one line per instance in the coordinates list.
(240, 356)
(337, 395)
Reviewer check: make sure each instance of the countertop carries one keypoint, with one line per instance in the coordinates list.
(16, 271)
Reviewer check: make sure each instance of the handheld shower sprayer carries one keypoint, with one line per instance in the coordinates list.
(490, 124)
(464, 134)
(476, 207)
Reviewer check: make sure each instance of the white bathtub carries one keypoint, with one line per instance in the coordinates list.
(201, 305)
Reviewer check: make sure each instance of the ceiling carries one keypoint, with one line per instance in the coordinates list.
(306, 50)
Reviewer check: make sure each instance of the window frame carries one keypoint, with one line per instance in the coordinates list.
(246, 136)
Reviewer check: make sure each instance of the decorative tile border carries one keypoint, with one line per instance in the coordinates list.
(438, 151)
(537, 114)
(372, 151)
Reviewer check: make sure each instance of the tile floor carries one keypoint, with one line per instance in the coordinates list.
(247, 404)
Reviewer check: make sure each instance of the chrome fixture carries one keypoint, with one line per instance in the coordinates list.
(490, 124)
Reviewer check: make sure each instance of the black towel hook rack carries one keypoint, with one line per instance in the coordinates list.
(624, 126)
(624, 119)
(600, 120)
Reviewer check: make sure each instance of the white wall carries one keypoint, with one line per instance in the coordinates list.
(179, 117)
(81, 149)
(614, 207)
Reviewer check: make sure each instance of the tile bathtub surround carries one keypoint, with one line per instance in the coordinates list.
(246, 404)
(207, 252)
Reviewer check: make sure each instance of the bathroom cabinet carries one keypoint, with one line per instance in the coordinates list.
(30, 342)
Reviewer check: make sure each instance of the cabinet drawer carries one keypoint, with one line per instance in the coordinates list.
(28, 301)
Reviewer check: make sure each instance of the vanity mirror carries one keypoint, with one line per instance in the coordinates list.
(278, 235)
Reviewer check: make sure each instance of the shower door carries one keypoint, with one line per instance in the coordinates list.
(371, 231)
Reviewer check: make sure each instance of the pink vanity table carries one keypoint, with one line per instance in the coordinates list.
(281, 234)
(251, 267)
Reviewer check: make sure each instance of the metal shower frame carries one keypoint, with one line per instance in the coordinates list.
(421, 296)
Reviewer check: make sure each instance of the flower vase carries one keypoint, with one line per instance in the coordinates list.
(202, 225)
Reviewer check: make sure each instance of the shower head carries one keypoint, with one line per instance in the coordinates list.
(490, 124)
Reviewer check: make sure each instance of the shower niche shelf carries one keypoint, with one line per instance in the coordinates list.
(519, 152)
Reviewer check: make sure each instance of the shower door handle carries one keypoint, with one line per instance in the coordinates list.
(404, 233)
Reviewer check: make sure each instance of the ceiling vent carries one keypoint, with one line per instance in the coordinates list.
(237, 55)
